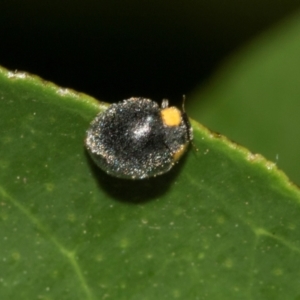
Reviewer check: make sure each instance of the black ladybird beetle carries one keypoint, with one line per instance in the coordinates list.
(137, 139)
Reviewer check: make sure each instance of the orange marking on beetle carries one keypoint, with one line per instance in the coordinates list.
(179, 152)
(171, 116)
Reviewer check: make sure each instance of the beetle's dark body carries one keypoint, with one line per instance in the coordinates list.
(131, 140)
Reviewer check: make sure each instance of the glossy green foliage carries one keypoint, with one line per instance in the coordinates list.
(223, 224)
(255, 98)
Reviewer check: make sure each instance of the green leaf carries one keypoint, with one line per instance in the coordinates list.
(255, 99)
(223, 224)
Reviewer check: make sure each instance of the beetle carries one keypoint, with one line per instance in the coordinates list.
(136, 138)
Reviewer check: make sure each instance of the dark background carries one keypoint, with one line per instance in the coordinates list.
(113, 50)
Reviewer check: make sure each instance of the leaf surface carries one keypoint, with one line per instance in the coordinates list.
(223, 224)
(254, 99)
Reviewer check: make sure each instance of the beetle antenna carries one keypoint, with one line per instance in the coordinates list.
(183, 103)
(187, 122)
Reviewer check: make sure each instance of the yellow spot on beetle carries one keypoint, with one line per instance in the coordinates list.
(179, 153)
(171, 116)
